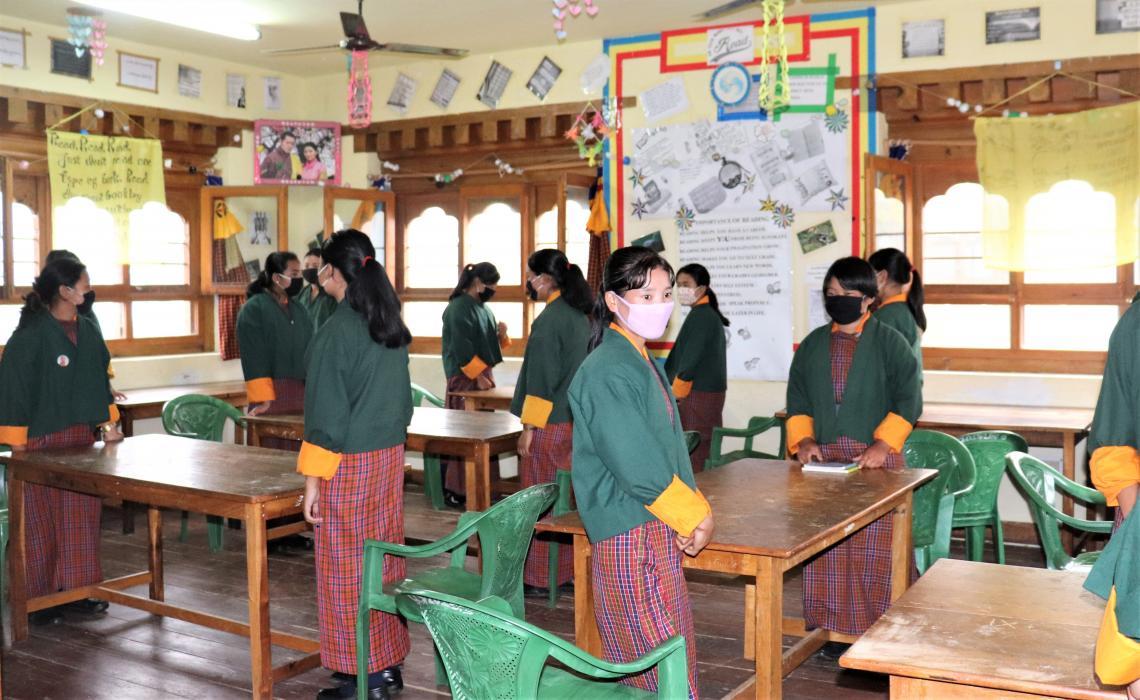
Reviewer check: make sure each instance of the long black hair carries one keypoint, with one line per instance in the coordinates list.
(63, 271)
(486, 272)
(369, 292)
(627, 268)
(900, 271)
(275, 264)
(575, 291)
(854, 275)
(700, 275)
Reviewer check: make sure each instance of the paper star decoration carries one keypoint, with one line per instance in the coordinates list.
(768, 205)
(837, 199)
(639, 208)
(783, 216)
(835, 119)
(684, 218)
(749, 183)
(636, 178)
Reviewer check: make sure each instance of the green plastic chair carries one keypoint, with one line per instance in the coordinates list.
(201, 418)
(756, 426)
(5, 451)
(933, 507)
(487, 653)
(504, 531)
(978, 509)
(692, 440)
(1040, 482)
(433, 480)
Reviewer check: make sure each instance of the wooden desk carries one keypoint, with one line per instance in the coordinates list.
(148, 402)
(974, 630)
(496, 399)
(171, 472)
(473, 436)
(770, 517)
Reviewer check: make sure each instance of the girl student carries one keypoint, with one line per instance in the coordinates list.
(1115, 465)
(557, 346)
(53, 377)
(273, 333)
(900, 297)
(318, 304)
(357, 410)
(697, 365)
(472, 345)
(633, 482)
(853, 396)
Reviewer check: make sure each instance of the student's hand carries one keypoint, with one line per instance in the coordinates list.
(809, 451)
(1133, 690)
(701, 536)
(1126, 499)
(875, 456)
(118, 396)
(260, 408)
(482, 382)
(311, 507)
(112, 434)
(502, 329)
(524, 442)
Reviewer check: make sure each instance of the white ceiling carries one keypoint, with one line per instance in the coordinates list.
(482, 26)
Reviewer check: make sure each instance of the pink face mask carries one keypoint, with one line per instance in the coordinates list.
(647, 320)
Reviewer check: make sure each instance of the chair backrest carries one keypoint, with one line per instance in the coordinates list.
(199, 417)
(1040, 483)
(930, 449)
(420, 394)
(692, 440)
(505, 530)
(5, 451)
(988, 448)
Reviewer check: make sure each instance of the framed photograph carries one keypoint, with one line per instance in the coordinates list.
(402, 91)
(189, 81)
(235, 90)
(240, 227)
(65, 62)
(925, 38)
(271, 87)
(296, 153)
(494, 84)
(543, 79)
(138, 72)
(445, 89)
(1005, 26)
(13, 48)
(1114, 16)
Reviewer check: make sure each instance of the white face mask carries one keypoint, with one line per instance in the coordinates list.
(647, 320)
(687, 295)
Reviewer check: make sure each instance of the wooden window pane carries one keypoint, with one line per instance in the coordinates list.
(510, 313)
(90, 233)
(162, 319)
(25, 245)
(9, 317)
(577, 237)
(1068, 326)
(494, 234)
(112, 317)
(952, 239)
(431, 251)
(373, 224)
(424, 318)
(890, 217)
(967, 326)
(159, 243)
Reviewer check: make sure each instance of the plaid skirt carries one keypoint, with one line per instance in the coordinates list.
(550, 450)
(62, 527)
(848, 587)
(364, 500)
(640, 598)
(290, 399)
(702, 411)
(454, 474)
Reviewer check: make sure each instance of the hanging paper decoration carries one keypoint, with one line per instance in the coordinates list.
(773, 93)
(573, 8)
(359, 90)
(98, 42)
(589, 134)
(79, 32)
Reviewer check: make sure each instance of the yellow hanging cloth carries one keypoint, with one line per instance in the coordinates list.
(225, 223)
(599, 222)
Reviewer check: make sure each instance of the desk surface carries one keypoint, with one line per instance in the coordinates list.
(221, 471)
(991, 417)
(433, 423)
(498, 393)
(772, 508)
(162, 394)
(992, 626)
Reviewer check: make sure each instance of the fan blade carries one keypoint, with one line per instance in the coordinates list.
(354, 27)
(724, 9)
(420, 49)
(298, 52)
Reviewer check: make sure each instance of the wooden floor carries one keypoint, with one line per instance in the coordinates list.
(129, 654)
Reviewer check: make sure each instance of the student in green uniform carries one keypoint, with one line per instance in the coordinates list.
(53, 380)
(900, 297)
(357, 410)
(853, 396)
(632, 479)
(472, 345)
(273, 333)
(697, 365)
(1115, 465)
(318, 303)
(557, 345)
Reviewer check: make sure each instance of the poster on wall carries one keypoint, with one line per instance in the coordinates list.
(925, 38)
(494, 84)
(445, 89)
(296, 153)
(402, 91)
(1114, 16)
(235, 90)
(271, 87)
(749, 260)
(13, 48)
(1004, 26)
(542, 81)
(189, 81)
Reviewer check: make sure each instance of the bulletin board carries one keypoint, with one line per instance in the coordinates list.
(768, 200)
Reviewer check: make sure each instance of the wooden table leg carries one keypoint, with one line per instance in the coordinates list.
(257, 574)
(769, 611)
(749, 621)
(154, 539)
(1069, 469)
(586, 634)
(901, 546)
(127, 425)
(478, 473)
(17, 563)
(253, 434)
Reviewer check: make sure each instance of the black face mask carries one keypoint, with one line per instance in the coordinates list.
(88, 303)
(843, 309)
(486, 294)
(310, 275)
(295, 285)
(531, 291)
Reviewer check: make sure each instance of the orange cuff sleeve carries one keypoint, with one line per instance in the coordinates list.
(681, 388)
(1114, 469)
(1117, 660)
(536, 411)
(799, 427)
(474, 368)
(114, 411)
(894, 431)
(680, 507)
(110, 371)
(317, 461)
(260, 390)
(14, 434)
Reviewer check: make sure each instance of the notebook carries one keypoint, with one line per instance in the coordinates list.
(832, 467)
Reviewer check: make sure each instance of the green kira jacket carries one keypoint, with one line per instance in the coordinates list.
(556, 347)
(697, 361)
(273, 342)
(882, 399)
(1114, 465)
(470, 338)
(319, 309)
(630, 461)
(896, 313)
(48, 383)
(356, 398)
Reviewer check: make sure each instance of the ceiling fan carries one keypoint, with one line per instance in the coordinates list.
(356, 38)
